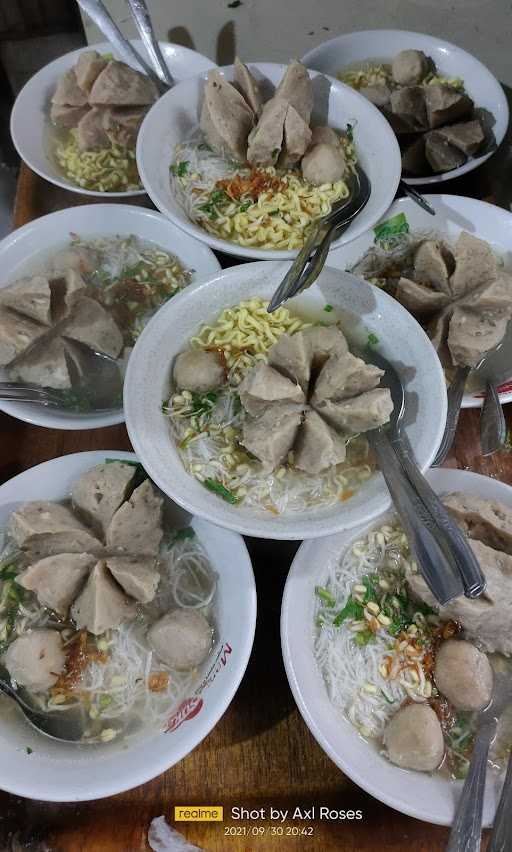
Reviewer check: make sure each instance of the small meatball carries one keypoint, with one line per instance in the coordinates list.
(182, 639)
(199, 370)
(325, 135)
(410, 67)
(323, 163)
(36, 659)
(414, 738)
(464, 675)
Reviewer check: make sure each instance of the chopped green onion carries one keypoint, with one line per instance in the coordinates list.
(391, 228)
(364, 637)
(180, 169)
(352, 609)
(372, 339)
(350, 132)
(186, 532)
(389, 700)
(328, 309)
(245, 206)
(218, 488)
(325, 596)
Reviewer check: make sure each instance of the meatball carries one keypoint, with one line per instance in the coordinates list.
(414, 738)
(410, 67)
(323, 163)
(36, 659)
(182, 639)
(199, 370)
(324, 135)
(464, 675)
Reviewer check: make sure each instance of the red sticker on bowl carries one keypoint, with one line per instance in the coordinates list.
(187, 710)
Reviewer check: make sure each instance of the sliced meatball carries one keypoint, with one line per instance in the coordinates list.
(297, 138)
(91, 134)
(36, 660)
(409, 105)
(226, 119)
(17, 333)
(296, 88)
(57, 580)
(421, 301)
(445, 105)
(271, 436)
(248, 86)
(68, 92)
(263, 385)
(323, 342)
(92, 325)
(473, 333)
(344, 376)
(467, 137)
(292, 357)
(102, 605)
(79, 259)
(66, 290)
(323, 164)
(121, 124)
(464, 675)
(414, 738)
(45, 364)
(199, 370)
(475, 264)
(136, 527)
(43, 528)
(414, 161)
(433, 265)
(182, 639)
(120, 85)
(98, 493)
(88, 67)
(367, 411)
(488, 521)
(441, 156)
(410, 67)
(378, 95)
(64, 115)
(318, 447)
(30, 297)
(266, 140)
(136, 575)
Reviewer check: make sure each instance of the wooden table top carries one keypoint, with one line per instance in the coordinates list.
(261, 753)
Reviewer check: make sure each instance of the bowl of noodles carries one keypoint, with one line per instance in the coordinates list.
(194, 444)
(261, 213)
(141, 714)
(53, 152)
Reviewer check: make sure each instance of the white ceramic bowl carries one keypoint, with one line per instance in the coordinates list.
(427, 797)
(346, 50)
(34, 135)
(173, 118)
(68, 773)
(454, 213)
(363, 308)
(20, 252)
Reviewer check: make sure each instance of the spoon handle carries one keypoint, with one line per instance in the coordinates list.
(455, 394)
(466, 832)
(457, 545)
(98, 13)
(143, 23)
(415, 196)
(501, 837)
(493, 428)
(418, 523)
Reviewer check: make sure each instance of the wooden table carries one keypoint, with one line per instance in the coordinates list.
(260, 754)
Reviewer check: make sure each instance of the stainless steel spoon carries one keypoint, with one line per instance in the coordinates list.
(466, 830)
(416, 196)
(98, 13)
(450, 540)
(501, 837)
(310, 260)
(496, 370)
(66, 725)
(140, 14)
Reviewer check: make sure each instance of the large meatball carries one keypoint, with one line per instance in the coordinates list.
(464, 675)
(414, 738)
(199, 370)
(323, 163)
(182, 639)
(410, 67)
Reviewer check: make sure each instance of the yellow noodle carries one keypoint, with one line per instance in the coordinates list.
(112, 169)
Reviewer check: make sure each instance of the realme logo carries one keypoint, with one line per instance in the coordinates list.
(198, 813)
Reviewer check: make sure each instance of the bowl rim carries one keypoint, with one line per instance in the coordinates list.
(460, 202)
(360, 774)
(247, 252)
(493, 84)
(33, 83)
(85, 421)
(251, 525)
(210, 720)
